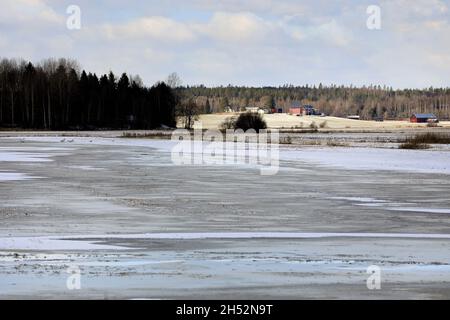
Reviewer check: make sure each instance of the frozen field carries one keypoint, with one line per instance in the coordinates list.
(137, 226)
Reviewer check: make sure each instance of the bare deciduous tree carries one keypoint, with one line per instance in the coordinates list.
(173, 80)
(188, 112)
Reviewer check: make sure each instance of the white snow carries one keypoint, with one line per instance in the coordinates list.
(14, 176)
(358, 199)
(31, 154)
(163, 145)
(86, 168)
(12, 156)
(392, 206)
(416, 209)
(87, 242)
(265, 235)
(50, 243)
(33, 149)
(374, 159)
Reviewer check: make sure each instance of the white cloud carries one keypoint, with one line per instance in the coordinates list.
(236, 27)
(158, 28)
(251, 42)
(275, 7)
(329, 33)
(28, 13)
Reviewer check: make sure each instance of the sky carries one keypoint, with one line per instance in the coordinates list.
(239, 42)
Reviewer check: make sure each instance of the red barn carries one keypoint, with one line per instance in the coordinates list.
(296, 110)
(423, 118)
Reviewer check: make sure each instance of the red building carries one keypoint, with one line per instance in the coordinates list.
(296, 110)
(423, 118)
(306, 110)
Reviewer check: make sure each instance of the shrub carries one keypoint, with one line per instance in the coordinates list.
(429, 137)
(250, 120)
(414, 146)
(310, 142)
(156, 135)
(333, 143)
(228, 123)
(313, 125)
(286, 140)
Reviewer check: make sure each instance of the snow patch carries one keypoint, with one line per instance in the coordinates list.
(88, 242)
(14, 176)
(11, 156)
(374, 159)
(392, 206)
(86, 168)
(50, 243)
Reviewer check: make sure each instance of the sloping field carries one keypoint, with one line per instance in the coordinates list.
(286, 121)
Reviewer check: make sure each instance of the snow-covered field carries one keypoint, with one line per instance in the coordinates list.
(136, 225)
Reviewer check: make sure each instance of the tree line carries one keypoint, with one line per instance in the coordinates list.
(368, 102)
(54, 94)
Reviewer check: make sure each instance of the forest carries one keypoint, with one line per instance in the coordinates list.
(55, 95)
(368, 102)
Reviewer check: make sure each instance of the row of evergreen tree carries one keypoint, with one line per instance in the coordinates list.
(54, 94)
(366, 101)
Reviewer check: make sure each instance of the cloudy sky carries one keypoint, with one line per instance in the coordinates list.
(254, 42)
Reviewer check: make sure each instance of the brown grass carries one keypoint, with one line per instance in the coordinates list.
(333, 143)
(430, 137)
(154, 135)
(414, 146)
(285, 140)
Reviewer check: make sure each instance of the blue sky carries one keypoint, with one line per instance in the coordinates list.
(253, 42)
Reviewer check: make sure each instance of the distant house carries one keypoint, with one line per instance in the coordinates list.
(423, 118)
(308, 110)
(252, 109)
(354, 117)
(305, 110)
(295, 110)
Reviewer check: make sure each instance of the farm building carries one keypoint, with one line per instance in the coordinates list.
(252, 109)
(306, 110)
(423, 118)
(296, 110)
(309, 110)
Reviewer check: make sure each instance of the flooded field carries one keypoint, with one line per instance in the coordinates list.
(120, 215)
